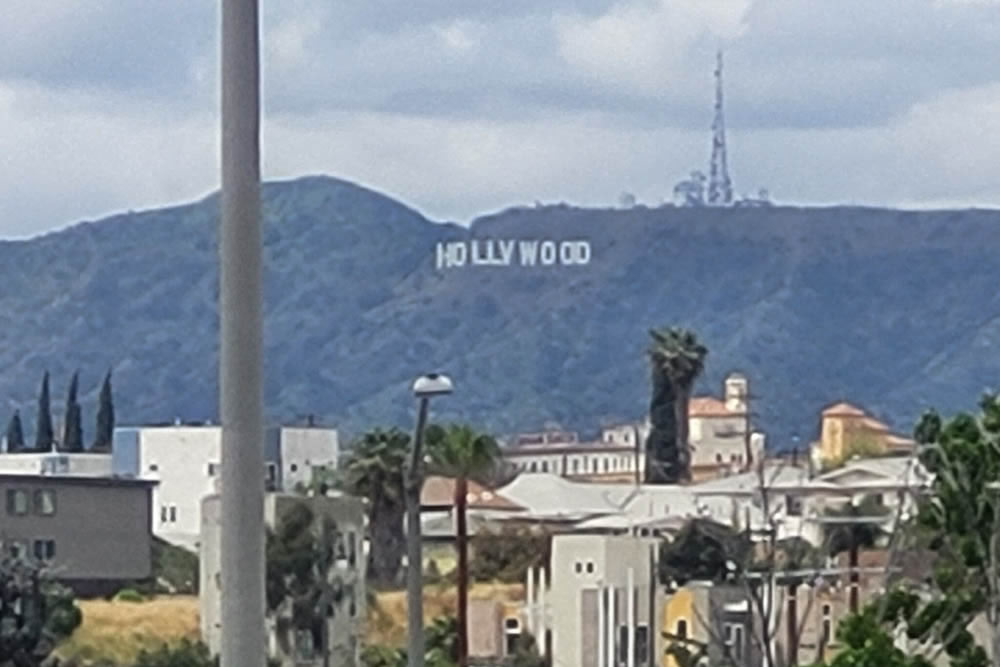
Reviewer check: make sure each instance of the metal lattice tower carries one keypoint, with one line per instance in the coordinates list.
(720, 188)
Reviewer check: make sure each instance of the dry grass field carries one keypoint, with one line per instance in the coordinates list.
(115, 632)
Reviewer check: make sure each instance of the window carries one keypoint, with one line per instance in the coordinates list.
(511, 635)
(734, 640)
(622, 644)
(45, 502)
(590, 567)
(352, 549)
(827, 624)
(681, 630)
(163, 513)
(641, 644)
(173, 513)
(718, 457)
(793, 505)
(576, 465)
(17, 501)
(578, 566)
(352, 602)
(545, 466)
(18, 550)
(304, 649)
(532, 467)
(153, 467)
(272, 476)
(45, 549)
(213, 469)
(294, 467)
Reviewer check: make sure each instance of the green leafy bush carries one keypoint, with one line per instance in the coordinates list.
(129, 595)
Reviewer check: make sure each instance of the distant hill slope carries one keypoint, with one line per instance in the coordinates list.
(893, 310)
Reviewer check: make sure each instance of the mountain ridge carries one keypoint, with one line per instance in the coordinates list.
(810, 302)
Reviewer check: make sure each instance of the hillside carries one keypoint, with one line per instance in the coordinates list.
(893, 310)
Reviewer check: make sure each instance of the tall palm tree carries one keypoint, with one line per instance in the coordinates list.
(461, 452)
(374, 470)
(678, 358)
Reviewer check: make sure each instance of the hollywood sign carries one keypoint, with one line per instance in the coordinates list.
(494, 252)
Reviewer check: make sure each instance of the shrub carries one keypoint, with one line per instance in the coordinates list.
(129, 595)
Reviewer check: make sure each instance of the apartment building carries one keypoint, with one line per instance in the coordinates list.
(92, 532)
(185, 461)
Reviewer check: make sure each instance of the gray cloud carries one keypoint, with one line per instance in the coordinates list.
(462, 107)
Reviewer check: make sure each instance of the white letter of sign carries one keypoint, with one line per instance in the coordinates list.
(529, 253)
(459, 253)
(548, 253)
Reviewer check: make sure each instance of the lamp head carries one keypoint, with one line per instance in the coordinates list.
(432, 384)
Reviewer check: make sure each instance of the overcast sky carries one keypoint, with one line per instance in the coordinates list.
(462, 107)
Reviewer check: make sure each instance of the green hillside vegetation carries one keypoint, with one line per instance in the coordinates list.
(892, 310)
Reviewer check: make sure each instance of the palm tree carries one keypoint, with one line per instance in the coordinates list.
(850, 528)
(462, 453)
(374, 470)
(677, 359)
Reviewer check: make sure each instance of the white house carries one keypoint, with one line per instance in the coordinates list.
(185, 460)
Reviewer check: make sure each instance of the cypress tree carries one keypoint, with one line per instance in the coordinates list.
(105, 418)
(44, 435)
(72, 429)
(15, 434)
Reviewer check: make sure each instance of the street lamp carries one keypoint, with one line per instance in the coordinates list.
(425, 388)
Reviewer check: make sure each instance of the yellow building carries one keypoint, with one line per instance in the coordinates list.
(846, 431)
(704, 615)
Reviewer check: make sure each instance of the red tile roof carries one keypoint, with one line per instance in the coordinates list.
(843, 409)
(440, 492)
(708, 406)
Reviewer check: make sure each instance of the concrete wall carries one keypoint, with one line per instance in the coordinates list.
(347, 625)
(581, 565)
(57, 463)
(98, 528)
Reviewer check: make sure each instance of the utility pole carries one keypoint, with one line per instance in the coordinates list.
(240, 387)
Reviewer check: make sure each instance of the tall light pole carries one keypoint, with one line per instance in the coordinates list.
(242, 546)
(425, 387)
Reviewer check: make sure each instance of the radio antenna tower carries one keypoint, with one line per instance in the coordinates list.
(720, 188)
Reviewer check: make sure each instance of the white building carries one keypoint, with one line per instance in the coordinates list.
(720, 434)
(346, 625)
(561, 453)
(720, 431)
(185, 461)
(602, 585)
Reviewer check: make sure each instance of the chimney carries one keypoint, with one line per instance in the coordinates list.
(735, 390)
